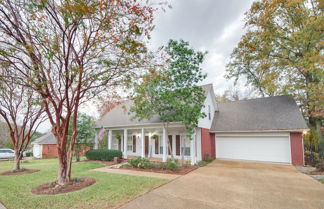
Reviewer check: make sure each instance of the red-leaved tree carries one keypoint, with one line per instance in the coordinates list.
(72, 51)
(22, 112)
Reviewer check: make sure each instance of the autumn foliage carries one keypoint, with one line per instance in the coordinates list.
(281, 52)
(72, 51)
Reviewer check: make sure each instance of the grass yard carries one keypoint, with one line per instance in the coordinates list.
(110, 190)
(322, 180)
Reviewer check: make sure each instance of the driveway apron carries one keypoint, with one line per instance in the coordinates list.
(236, 184)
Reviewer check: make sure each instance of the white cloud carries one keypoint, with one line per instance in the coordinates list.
(208, 25)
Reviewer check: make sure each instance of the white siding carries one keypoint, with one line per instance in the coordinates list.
(209, 105)
(37, 150)
(198, 144)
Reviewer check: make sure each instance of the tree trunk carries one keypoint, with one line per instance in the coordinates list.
(166, 126)
(77, 157)
(182, 152)
(17, 161)
(314, 122)
(64, 174)
(182, 157)
(169, 148)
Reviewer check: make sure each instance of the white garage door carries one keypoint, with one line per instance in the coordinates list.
(259, 148)
(37, 150)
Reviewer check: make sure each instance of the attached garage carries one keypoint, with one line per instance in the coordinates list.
(263, 129)
(258, 147)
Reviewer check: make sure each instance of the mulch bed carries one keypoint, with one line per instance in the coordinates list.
(23, 171)
(181, 171)
(317, 172)
(52, 188)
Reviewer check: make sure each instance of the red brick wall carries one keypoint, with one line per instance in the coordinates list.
(207, 143)
(297, 148)
(49, 151)
(213, 147)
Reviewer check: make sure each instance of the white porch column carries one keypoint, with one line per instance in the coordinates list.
(109, 138)
(150, 146)
(174, 145)
(193, 150)
(96, 141)
(143, 144)
(125, 143)
(164, 144)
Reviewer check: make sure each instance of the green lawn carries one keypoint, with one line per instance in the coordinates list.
(110, 190)
(321, 180)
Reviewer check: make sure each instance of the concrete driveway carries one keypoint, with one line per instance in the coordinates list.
(236, 184)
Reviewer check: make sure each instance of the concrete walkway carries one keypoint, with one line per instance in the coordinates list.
(236, 184)
(2, 206)
(137, 173)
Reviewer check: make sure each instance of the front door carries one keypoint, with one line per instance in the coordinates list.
(146, 145)
(119, 145)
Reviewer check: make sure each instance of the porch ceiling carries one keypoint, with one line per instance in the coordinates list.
(152, 131)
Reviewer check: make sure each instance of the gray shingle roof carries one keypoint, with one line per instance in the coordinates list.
(262, 114)
(45, 139)
(119, 117)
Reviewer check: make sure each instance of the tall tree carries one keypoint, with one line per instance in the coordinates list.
(172, 93)
(86, 133)
(22, 111)
(71, 51)
(233, 93)
(282, 52)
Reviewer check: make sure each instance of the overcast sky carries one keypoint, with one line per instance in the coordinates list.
(209, 25)
(215, 26)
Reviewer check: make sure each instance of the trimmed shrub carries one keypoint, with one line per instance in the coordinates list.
(140, 162)
(202, 163)
(29, 154)
(208, 159)
(103, 154)
(172, 165)
(311, 158)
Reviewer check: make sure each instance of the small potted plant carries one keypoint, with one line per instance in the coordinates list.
(153, 137)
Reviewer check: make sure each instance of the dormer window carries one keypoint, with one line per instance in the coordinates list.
(209, 114)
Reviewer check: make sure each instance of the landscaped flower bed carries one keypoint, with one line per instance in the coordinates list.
(18, 172)
(52, 188)
(169, 167)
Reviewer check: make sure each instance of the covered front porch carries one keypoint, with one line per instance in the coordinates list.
(153, 142)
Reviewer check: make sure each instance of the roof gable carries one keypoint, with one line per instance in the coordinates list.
(120, 116)
(45, 139)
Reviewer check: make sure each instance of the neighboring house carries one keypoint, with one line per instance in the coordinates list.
(264, 129)
(45, 146)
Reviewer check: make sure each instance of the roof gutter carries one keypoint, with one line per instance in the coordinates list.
(256, 131)
(172, 124)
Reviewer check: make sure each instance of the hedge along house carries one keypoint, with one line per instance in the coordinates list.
(265, 129)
